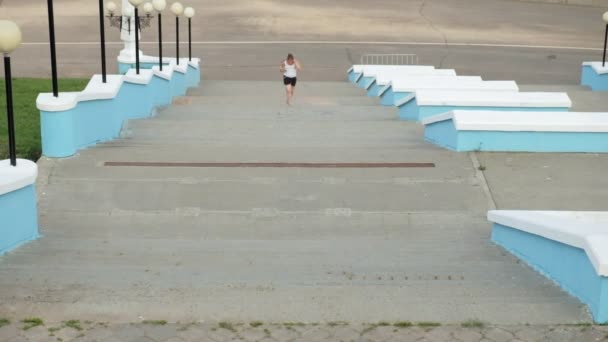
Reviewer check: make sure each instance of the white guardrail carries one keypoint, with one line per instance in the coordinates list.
(389, 59)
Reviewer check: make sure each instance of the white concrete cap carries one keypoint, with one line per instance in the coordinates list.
(584, 230)
(452, 83)
(182, 67)
(374, 71)
(359, 68)
(605, 17)
(505, 121)
(166, 73)
(144, 77)
(10, 36)
(492, 99)
(597, 66)
(13, 178)
(195, 63)
(159, 5)
(46, 102)
(392, 78)
(97, 90)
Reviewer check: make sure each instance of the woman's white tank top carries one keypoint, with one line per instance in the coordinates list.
(290, 70)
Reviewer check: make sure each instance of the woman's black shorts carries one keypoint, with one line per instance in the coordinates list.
(290, 80)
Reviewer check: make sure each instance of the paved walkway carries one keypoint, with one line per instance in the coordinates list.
(159, 331)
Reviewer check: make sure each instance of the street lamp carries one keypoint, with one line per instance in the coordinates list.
(177, 9)
(51, 17)
(102, 32)
(159, 6)
(605, 17)
(136, 4)
(189, 12)
(10, 39)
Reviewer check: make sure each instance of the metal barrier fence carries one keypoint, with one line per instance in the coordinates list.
(389, 59)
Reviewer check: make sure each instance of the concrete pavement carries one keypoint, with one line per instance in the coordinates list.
(272, 244)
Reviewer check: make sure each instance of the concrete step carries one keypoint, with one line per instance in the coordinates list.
(276, 112)
(278, 100)
(237, 89)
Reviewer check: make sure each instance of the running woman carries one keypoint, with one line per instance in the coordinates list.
(289, 68)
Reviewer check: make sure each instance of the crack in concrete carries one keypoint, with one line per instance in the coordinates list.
(432, 24)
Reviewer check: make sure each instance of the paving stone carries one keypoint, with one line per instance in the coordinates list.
(345, 334)
(498, 335)
(380, 333)
(314, 334)
(467, 335)
(8, 332)
(160, 332)
(252, 334)
(530, 334)
(95, 334)
(284, 334)
(439, 334)
(128, 333)
(194, 334)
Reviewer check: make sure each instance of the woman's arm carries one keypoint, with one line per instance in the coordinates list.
(282, 67)
(298, 66)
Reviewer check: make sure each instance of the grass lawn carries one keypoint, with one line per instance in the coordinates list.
(27, 117)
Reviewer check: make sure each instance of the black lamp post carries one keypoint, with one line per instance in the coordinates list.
(102, 33)
(177, 9)
(51, 16)
(605, 17)
(159, 6)
(136, 4)
(189, 12)
(10, 39)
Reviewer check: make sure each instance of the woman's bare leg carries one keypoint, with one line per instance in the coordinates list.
(288, 93)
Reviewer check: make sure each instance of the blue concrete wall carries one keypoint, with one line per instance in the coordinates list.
(364, 82)
(91, 122)
(568, 266)
(414, 112)
(123, 68)
(193, 76)
(593, 80)
(19, 215)
(374, 90)
(444, 134)
(353, 77)
(388, 98)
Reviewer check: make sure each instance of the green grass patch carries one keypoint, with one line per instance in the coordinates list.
(256, 324)
(473, 323)
(74, 324)
(32, 322)
(383, 324)
(4, 322)
(429, 324)
(403, 324)
(155, 322)
(227, 325)
(27, 116)
(337, 323)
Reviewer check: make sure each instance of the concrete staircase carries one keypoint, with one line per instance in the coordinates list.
(271, 244)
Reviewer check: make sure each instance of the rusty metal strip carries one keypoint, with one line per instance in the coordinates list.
(276, 165)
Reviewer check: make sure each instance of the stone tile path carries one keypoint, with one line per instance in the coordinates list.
(160, 331)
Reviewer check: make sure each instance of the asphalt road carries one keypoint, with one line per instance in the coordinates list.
(497, 39)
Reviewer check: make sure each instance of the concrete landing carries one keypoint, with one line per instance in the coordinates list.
(271, 244)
